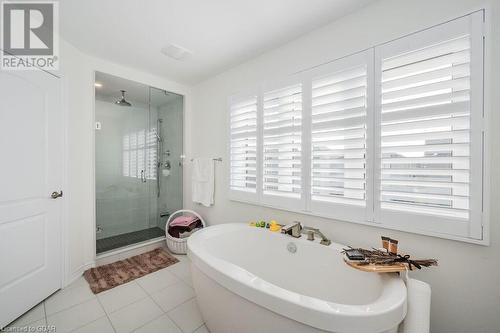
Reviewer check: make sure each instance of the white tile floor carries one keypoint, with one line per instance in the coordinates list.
(163, 301)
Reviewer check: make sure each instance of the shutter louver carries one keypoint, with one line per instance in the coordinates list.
(338, 137)
(425, 130)
(282, 132)
(243, 145)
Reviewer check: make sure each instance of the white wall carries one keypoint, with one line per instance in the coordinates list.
(466, 285)
(77, 72)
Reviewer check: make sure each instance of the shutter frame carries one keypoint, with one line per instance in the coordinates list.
(346, 211)
(279, 199)
(243, 193)
(421, 219)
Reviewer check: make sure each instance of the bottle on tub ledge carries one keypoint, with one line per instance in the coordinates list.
(389, 245)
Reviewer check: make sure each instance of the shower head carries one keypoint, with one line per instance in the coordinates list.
(122, 101)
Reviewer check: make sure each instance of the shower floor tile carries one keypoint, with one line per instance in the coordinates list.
(114, 242)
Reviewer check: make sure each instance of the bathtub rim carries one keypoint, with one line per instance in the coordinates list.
(384, 313)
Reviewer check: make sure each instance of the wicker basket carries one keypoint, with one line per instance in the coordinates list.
(179, 245)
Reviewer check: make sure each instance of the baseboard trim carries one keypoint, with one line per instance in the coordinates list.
(77, 273)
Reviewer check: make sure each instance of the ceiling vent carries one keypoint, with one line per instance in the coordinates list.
(176, 52)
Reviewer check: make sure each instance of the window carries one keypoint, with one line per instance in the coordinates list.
(282, 135)
(139, 154)
(429, 120)
(133, 154)
(340, 113)
(392, 136)
(243, 147)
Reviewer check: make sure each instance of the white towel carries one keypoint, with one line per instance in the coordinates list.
(203, 181)
(417, 318)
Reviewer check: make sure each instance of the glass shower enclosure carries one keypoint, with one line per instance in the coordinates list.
(138, 161)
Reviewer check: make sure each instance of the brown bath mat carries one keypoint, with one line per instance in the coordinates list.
(111, 275)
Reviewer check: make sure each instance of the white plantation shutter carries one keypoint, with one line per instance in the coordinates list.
(425, 133)
(243, 146)
(282, 137)
(393, 136)
(339, 99)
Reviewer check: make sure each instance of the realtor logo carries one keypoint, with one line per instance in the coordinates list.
(29, 35)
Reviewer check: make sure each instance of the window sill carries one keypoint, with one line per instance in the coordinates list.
(483, 242)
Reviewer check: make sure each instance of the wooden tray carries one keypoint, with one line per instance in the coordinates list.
(401, 267)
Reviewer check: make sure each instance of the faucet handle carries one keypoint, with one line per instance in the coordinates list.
(310, 231)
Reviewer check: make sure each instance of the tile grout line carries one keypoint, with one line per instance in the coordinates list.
(165, 287)
(146, 294)
(82, 326)
(90, 322)
(107, 316)
(194, 297)
(149, 322)
(42, 304)
(139, 300)
(45, 314)
(175, 307)
(171, 318)
(124, 306)
(70, 307)
(96, 297)
(197, 328)
(158, 305)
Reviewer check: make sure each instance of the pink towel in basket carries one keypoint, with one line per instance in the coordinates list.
(183, 221)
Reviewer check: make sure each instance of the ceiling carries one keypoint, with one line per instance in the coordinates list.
(219, 33)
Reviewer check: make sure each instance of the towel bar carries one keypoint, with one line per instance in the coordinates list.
(218, 159)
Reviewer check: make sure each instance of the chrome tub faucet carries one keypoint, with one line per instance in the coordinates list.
(296, 229)
(293, 229)
(315, 231)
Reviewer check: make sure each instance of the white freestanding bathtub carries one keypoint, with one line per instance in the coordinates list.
(250, 280)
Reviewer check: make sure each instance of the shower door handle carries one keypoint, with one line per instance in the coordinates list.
(55, 194)
(143, 179)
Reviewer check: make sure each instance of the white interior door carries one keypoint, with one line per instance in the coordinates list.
(31, 150)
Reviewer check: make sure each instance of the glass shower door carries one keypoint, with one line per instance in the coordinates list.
(125, 167)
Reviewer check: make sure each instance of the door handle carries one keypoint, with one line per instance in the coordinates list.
(143, 179)
(56, 194)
